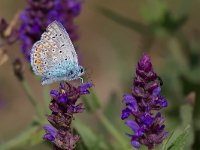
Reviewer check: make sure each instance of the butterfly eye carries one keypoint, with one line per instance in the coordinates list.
(82, 70)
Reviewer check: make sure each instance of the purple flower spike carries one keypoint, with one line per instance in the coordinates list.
(147, 126)
(133, 125)
(63, 106)
(39, 13)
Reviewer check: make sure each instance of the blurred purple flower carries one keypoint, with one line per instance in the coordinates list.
(148, 127)
(38, 14)
(63, 106)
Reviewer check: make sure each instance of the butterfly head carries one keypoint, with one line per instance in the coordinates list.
(81, 71)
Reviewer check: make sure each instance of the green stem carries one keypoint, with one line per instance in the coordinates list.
(87, 104)
(92, 103)
(46, 97)
(31, 98)
(110, 128)
(95, 100)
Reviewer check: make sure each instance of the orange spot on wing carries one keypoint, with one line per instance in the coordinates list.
(38, 50)
(37, 55)
(37, 61)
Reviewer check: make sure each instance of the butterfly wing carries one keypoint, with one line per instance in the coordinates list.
(58, 33)
(54, 53)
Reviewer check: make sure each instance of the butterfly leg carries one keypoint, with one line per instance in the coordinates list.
(81, 79)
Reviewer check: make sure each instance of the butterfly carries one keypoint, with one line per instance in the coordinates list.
(53, 57)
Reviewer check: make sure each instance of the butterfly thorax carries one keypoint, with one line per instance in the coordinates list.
(72, 72)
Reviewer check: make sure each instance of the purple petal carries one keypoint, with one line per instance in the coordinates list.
(132, 107)
(62, 86)
(77, 109)
(156, 91)
(49, 137)
(163, 102)
(147, 119)
(50, 129)
(84, 87)
(135, 144)
(54, 93)
(125, 113)
(158, 115)
(128, 98)
(145, 63)
(133, 125)
(75, 7)
(131, 103)
(140, 132)
(54, 107)
(62, 100)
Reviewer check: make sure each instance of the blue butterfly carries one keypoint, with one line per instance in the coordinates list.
(53, 57)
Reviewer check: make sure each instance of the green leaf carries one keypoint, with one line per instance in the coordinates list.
(187, 116)
(87, 103)
(22, 139)
(95, 99)
(124, 21)
(37, 137)
(92, 102)
(46, 98)
(166, 141)
(90, 139)
(179, 142)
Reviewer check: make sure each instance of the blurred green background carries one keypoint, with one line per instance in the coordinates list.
(110, 46)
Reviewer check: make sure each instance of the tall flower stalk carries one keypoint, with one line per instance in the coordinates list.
(63, 106)
(145, 99)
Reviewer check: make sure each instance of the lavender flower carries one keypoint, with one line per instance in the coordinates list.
(63, 106)
(145, 99)
(40, 13)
